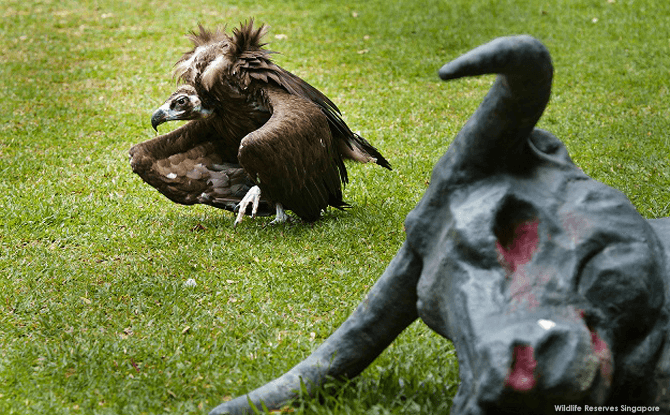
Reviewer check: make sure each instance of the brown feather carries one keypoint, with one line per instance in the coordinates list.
(190, 165)
(287, 136)
(247, 39)
(299, 141)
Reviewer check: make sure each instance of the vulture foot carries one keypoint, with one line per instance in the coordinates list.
(281, 216)
(253, 196)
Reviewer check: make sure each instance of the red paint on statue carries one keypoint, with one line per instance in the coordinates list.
(602, 351)
(514, 253)
(521, 377)
(522, 246)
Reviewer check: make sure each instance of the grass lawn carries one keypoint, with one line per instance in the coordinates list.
(95, 317)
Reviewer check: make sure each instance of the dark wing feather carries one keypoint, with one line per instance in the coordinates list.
(349, 142)
(257, 65)
(189, 166)
(260, 67)
(292, 157)
(240, 61)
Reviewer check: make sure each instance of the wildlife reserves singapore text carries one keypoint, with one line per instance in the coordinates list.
(605, 409)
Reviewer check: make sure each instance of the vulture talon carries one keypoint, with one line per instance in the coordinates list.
(253, 196)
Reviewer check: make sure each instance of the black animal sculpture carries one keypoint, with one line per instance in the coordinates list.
(260, 139)
(552, 287)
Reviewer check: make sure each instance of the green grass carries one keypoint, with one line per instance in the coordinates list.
(94, 313)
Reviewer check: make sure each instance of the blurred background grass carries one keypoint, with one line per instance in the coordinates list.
(96, 317)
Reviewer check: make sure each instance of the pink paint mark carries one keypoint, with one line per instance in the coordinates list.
(603, 353)
(521, 377)
(514, 253)
(520, 249)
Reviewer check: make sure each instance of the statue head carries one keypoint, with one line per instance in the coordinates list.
(550, 284)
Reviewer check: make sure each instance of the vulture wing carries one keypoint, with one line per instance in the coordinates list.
(351, 145)
(191, 165)
(251, 66)
(292, 157)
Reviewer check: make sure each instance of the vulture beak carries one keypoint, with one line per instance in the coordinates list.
(165, 113)
(158, 118)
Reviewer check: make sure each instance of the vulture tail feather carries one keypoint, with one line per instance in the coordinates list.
(363, 145)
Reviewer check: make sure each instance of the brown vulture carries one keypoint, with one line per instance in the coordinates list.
(260, 140)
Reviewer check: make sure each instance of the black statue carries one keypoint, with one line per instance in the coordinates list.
(552, 287)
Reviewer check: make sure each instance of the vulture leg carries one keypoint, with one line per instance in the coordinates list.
(253, 196)
(281, 216)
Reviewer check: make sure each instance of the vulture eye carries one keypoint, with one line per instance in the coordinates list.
(182, 101)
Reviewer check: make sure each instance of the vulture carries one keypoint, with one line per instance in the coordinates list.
(259, 141)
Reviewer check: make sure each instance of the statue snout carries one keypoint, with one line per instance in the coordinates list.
(541, 361)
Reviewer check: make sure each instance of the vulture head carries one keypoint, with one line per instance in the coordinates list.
(184, 104)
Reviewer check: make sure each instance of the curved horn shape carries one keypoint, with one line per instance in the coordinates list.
(496, 135)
